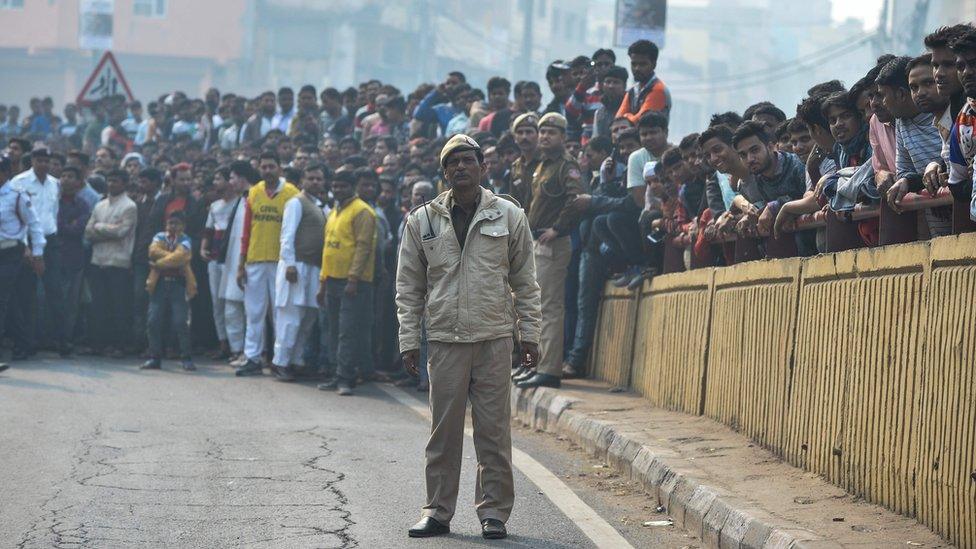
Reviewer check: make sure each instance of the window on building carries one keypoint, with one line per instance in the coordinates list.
(11, 4)
(149, 8)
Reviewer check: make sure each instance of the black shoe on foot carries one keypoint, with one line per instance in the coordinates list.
(518, 372)
(284, 373)
(329, 385)
(570, 371)
(428, 527)
(539, 380)
(493, 529)
(4, 366)
(250, 368)
(151, 364)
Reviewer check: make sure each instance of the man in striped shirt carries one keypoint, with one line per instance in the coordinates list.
(586, 99)
(917, 141)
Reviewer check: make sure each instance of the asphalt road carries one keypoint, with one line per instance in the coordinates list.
(95, 453)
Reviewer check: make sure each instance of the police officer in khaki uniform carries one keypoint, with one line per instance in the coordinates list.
(466, 269)
(556, 182)
(525, 129)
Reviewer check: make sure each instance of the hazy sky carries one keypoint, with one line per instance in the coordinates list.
(867, 10)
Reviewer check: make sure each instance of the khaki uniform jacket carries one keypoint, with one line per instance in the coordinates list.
(467, 296)
(556, 181)
(522, 170)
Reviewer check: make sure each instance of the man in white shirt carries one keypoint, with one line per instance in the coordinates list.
(286, 110)
(213, 246)
(242, 178)
(297, 277)
(17, 221)
(44, 192)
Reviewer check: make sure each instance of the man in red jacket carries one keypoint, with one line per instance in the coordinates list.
(648, 92)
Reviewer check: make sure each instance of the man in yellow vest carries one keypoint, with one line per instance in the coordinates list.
(260, 249)
(346, 280)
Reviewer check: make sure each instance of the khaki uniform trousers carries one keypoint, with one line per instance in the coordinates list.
(478, 372)
(551, 264)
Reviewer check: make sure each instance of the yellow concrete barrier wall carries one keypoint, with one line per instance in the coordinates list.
(946, 427)
(750, 341)
(859, 366)
(610, 355)
(671, 340)
(857, 359)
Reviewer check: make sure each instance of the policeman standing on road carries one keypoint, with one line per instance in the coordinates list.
(556, 182)
(463, 257)
(17, 220)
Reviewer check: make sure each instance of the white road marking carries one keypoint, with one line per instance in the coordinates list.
(592, 524)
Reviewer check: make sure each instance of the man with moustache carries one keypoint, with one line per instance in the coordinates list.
(526, 132)
(463, 257)
(556, 182)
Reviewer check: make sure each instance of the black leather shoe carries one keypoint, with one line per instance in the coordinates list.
(539, 380)
(250, 368)
(284, 373)
(428, 527)
(151, 364)
(570, 372)
(493, 529)
(4, 366)
(518, 372)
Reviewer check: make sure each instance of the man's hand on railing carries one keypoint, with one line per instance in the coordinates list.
(785, 219)
(896, 193)
(746, 227)
(692, 229)
(726, 223)
(935, 176)
(884, 181)
(710, 232)
(764, 224)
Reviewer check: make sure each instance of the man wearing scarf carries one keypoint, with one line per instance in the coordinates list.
(851, 150)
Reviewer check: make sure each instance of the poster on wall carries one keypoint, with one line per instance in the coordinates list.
(95, 24)
(639, 19)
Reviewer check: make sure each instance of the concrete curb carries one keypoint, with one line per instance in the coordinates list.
(720, 519)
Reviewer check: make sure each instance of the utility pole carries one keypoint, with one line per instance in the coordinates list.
(525, 62)
(424, 48)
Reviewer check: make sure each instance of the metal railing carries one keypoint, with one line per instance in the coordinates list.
(840, 228)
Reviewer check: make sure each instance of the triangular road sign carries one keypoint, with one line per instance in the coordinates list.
(105, 81)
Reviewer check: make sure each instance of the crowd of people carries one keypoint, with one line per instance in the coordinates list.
(266, 229)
